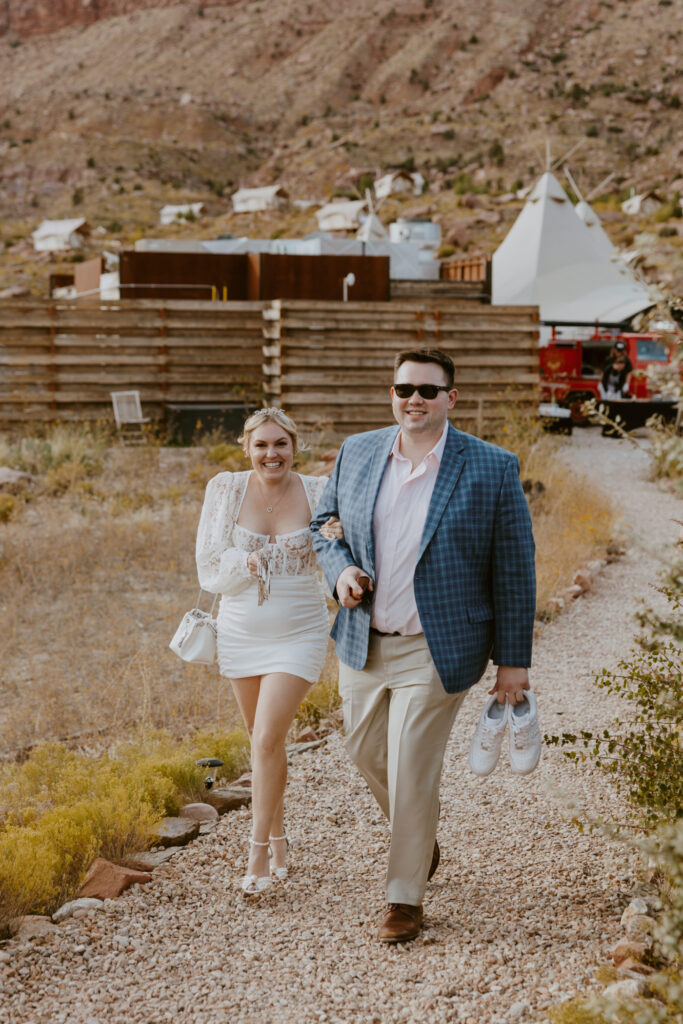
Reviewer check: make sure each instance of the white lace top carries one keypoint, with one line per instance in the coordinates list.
(223, 546)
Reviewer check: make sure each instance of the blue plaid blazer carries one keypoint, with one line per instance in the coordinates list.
(474, 580)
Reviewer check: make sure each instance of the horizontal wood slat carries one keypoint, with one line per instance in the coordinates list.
(61, 359)
(331, 363)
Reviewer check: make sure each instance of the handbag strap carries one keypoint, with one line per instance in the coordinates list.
(213, 603)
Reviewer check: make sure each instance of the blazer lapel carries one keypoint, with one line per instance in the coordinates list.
(375, 474)
(449, 471)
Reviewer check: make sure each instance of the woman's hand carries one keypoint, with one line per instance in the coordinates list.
(332, 529)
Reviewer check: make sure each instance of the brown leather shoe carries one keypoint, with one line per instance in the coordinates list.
(401, 923)
(436, 857)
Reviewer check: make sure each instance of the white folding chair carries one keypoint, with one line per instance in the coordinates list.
(128, 416)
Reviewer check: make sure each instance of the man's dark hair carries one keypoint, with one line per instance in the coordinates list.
(427, 355)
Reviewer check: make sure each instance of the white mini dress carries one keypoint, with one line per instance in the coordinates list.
(289, 631)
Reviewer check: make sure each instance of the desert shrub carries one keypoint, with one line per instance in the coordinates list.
(9, 507)
(61, 444)
(321, 700)
(572, 520)
(642, 754)
(61, 809)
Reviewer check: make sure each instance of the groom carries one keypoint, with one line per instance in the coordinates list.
(435, 575)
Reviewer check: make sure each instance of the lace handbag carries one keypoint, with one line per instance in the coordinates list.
(195, 638)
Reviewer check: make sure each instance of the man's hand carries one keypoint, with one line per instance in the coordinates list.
(349, 590)
(510, 683)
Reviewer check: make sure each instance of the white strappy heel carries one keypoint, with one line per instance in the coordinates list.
(279, 874)
(252, 885)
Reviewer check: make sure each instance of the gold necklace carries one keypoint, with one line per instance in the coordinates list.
(271, 508)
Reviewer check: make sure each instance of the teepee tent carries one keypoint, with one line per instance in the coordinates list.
(600, 237)
(549, 259)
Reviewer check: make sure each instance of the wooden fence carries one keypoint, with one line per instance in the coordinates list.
(330, 364)
(60, 360)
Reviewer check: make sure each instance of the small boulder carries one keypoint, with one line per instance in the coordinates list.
(199, 812)
(556, 605)
(636, 906)
(105, 880)
(626, 989)
(175, 832)
(244, 780)
(69, 909)
(32, 926)
(229, 798)
(584, 579)
(148, 860)
(631, 967)
(639, 925)
(571, 593)
(13, 481)
(627, 949)
(307, 735)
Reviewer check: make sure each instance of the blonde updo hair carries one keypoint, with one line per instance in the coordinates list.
(270, 415)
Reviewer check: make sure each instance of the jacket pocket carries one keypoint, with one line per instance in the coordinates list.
(481, 612)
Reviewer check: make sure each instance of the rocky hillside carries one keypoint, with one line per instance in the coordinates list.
(113, 107)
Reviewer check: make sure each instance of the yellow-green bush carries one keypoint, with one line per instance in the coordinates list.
(61, 809)
(321, 700)
(9, 506)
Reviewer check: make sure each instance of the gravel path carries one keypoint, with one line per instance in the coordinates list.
(520, 910)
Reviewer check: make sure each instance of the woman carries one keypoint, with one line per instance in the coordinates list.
(254, 548)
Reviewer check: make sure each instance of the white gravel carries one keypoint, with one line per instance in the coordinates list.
(520, 910)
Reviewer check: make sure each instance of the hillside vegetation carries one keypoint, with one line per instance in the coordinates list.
(172, 103)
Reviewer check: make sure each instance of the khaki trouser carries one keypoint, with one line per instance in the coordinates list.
(397, 720)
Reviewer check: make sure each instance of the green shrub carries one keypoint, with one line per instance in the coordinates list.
(643, 753)
(8, 507)
(61, 809)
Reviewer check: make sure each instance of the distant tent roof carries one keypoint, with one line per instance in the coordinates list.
(61, 227)
(549, 258)
(372, 229)
(600, 237)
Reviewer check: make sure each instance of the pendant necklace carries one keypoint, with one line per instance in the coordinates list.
(271, 508)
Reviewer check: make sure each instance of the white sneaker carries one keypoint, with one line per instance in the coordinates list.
(488, 737)
(525, 735)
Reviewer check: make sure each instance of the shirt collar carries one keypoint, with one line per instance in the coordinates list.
(436, 451)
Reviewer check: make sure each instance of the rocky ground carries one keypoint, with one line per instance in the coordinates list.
(521, 910)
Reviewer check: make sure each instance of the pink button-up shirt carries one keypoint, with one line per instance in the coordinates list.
(398, 522)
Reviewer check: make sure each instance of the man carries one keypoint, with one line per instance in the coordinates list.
(435, 574)
(619, 354)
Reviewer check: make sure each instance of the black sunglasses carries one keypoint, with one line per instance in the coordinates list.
(428, 391)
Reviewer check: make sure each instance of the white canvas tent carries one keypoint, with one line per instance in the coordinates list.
(255, 200)
(176, 214)
(601, 239)
(372, 230)
(549, 259)
(60, 235)
(344, 215)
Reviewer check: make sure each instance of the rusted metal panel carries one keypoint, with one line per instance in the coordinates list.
(287, 276)
(184, 275)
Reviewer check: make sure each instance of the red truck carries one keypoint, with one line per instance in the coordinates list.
(571, 371)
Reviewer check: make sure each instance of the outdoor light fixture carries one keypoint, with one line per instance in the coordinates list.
(209, 762)
(348, 282)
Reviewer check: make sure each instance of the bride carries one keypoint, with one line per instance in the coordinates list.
(254, 548)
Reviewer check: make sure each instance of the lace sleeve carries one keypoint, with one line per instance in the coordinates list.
(221, 567)
(315, 485)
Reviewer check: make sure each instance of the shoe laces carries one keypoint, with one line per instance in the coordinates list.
(523, 733)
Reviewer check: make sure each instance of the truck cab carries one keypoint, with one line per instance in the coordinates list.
(572, 368)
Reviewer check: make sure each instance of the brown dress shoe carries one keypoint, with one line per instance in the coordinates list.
(401, 923)
(436, 857)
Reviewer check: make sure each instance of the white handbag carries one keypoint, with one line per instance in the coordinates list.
(195, 638)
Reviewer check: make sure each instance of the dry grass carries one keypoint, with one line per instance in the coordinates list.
(95, 575)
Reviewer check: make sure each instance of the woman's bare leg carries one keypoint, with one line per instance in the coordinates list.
(280, 695)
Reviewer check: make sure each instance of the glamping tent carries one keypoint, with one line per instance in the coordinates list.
(550, 258)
